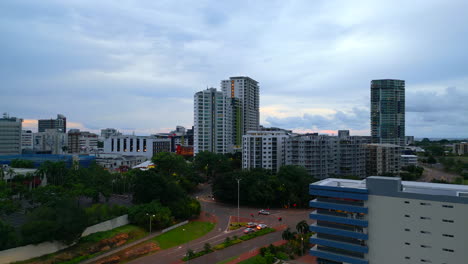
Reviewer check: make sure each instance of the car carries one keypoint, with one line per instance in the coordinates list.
(261, 226)
(249, 230)
(251, 225)
(263, 212)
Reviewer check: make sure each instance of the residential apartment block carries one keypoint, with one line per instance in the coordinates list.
(388, 221)
(264, 149)
(460, 148)
(51, 141)
(82, 142)
(213, 122)
(383, 159)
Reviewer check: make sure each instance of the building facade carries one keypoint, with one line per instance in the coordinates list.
(10, 135)
(388, 111)
(82, 142)
(212, 122)
(388, 221)
(59, 124)
(408, 160)
(382, 159)
(264, 149)
(161, 145)
(130, 145)
(316, 153)
(247, 107)
(107, 132)
(460, 148)
(351, 156)
(51, 141)
(27, 140)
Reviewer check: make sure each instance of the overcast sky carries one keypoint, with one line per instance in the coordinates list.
(135, 65)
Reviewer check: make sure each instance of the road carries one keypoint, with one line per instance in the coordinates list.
(223, 212)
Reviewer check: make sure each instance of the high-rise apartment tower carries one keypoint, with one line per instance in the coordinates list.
(388, 111)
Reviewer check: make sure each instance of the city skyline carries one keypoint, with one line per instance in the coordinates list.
(130, 66)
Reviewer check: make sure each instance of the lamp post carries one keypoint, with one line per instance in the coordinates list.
(238, 187)
(150, 216)
(302, 245)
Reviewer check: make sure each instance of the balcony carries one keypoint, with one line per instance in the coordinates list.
(338, 219)
(338, 232)
(338, 244)
(335, 206)
(340, 194)
(336, 188)
(336, 257)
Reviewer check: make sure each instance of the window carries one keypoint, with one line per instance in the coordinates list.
(447, 235)
(424, 203)
(425, 218)
(407, 229)
(425, 246)
(425, 232)
(406, 202)
(447, 221)
(407, 243)
(447, 206)
(448, 250)
(407, 258)
(407, 216)
(425, 260)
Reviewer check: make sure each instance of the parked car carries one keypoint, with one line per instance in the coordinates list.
(249, 230)
(261, 226)
(251, 225)
(263, 212)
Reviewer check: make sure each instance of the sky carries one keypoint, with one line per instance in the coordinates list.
(135, 65)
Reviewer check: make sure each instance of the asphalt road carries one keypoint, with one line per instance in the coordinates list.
(223, 212)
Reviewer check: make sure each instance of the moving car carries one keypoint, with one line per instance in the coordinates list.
(249, 230)
(251, 225)
(261, 226)
(263, 212)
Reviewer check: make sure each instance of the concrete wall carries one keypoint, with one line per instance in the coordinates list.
(32, 251)
(404, 231)
(107, 225)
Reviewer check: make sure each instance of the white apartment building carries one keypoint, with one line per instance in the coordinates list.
(51, 141)
(388, 221)
(10, 135)
(407, 160)
(212, 122)
(247, 91)
(264, 149)
(27, 140)
(130, 145)
(82, 142)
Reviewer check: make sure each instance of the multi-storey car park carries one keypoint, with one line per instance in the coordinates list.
(383, 220)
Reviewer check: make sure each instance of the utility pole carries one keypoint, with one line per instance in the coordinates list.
(150, 216)
(238, 188)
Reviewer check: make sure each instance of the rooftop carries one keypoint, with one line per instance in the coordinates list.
(406, 186)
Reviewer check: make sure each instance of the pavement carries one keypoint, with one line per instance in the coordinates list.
(224, 212)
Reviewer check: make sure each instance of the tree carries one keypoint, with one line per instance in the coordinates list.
(302, 227)
(142, 214)
(65, 221)
(8, 237)
(150, 185)
(295, 181)
(207, 247)
(169, 163)
(431, 160)
(287, 234)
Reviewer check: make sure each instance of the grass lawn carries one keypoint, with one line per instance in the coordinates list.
(178, 236)
(253, 260)
(80, 249)
(465, 182)
(227, 260)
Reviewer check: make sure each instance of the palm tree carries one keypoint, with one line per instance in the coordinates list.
(302, 227)
(288, 235)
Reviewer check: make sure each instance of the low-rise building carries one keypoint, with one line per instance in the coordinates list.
(51, 141)
(460, 148)
(118, 162)
(27, 140)
(82, 142)
(407, 160)
(388, 221)
(10, 135)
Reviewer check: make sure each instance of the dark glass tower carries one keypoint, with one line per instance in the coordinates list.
(388, 111)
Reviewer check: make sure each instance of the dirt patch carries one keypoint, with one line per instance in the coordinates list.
(206, 217)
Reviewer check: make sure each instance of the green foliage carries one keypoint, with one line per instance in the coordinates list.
(302, 227)
(185, 208)
(431, 160)
(140, 215)
(8, 237)
(207, 248)
(18, 163)
(211, 164)
(102, 212)
(65, 222)
(169, 163)
(264, 188)
(287, 234)
(150, 185)
(411, 173)
(183, 234)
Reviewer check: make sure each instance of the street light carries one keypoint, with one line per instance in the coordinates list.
(150, 216)
(238, 186)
